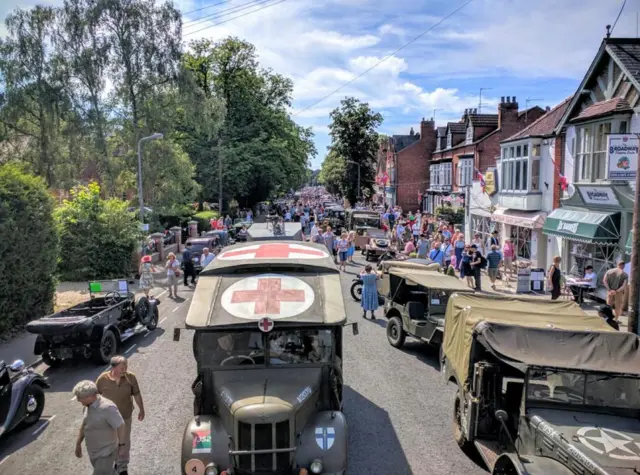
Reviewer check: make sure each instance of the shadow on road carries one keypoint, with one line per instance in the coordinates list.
(21, 437)
(373, 443)
(426, 353)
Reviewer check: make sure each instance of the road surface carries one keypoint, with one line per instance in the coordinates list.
(398, 408)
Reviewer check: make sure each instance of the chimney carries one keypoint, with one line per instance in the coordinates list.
(411, 132)
(475, 111)
(547, 108)
(502, 99)
(428, 130)
(508, 112)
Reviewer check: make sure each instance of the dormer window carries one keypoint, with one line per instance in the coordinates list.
(469, 135)
(449, 140)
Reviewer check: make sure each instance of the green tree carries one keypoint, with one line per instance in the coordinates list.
(97, 236)
(26, 215)
(332, 173)
(354, 137)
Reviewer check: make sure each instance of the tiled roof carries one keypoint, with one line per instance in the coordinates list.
(403, 141)
(545, 124)
(457, 127)
(627, 51)
(484, 120)
(610, 106)
(522, 113)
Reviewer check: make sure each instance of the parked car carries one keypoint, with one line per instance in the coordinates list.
(94, 329)
(198, 244)
(377, 244)
(269, 387)
(543, 388)
(21, 396)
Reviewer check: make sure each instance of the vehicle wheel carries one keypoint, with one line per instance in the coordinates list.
(367, 256)
(395, 333)
(356, 291)
(34, 404)
(153, 323)
(458, 434)
(51, 361)
(108, 347)
(143, 314)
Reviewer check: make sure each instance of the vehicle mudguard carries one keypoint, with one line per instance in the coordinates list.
(324, 438)
(206, 440)
(39, 346)
(18, 388)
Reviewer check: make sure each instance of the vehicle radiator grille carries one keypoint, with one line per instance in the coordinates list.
(264, 437)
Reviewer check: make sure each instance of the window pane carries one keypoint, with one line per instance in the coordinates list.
(535, 175)
(511, 152)
(518, 151)
(623, 127)
(517, 182)
(536, 151)
(525, 180)
(525, 150)
(599, 166)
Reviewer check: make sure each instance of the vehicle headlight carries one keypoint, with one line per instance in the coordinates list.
(316, 466)
(211, 469)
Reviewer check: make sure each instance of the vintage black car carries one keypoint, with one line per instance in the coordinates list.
(198, 244)
(96, 328)
(268, 320)
(543, 388)
(21, 396)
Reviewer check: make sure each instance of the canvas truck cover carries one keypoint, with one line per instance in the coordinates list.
(533, 333)
(291, 231)
(430, 279)
(287, 282)
(411, 264)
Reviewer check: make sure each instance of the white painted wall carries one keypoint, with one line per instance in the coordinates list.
(569, 153)
(547, 171)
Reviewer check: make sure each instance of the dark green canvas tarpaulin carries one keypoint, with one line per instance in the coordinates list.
(583, 225)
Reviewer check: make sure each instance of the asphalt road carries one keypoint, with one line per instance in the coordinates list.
(398, 408)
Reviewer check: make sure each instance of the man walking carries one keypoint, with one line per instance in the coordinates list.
(121, 387)
(615, 281)
(102, 429)
(494, 258)
(187, 263)
(206, 257)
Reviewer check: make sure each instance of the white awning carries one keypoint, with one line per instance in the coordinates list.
(524, 219)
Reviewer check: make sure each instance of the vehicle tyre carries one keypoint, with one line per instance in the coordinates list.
(395, 334)
(356, 291)
(33, 403)
(108, 347)
(51, 361)
(153, 322)
(143, 313)
(458, 434)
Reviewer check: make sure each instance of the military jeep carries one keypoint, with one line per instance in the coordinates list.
(268, 320)
(543, 388)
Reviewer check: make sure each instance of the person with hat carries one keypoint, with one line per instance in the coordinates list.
(146, 269)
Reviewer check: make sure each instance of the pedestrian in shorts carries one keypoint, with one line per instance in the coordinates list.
(494, 259)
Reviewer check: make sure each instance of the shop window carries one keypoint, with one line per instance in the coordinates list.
(600, 256)
(521, 239)
(483, 226)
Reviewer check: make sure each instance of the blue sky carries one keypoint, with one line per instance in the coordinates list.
(529, 49)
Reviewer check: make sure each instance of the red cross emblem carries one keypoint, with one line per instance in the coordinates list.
(274, 251)
(265, 324)
(268, 295)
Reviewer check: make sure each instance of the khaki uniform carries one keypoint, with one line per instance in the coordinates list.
(616, 279)
(121, 393)
(100, 426)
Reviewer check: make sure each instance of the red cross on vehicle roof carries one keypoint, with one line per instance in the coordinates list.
(274, 251)
(267, 296)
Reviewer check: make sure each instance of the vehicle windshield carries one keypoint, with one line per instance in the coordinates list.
(588, 389)
(197, 248)
(295, 346)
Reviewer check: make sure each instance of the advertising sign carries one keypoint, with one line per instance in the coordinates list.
(598, 196)
(622, 156)
(491, 183)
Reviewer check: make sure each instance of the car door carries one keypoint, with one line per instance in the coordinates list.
(5, 393)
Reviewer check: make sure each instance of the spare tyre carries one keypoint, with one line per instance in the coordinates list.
(143, 311)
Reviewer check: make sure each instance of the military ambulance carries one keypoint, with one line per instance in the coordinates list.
(268, 320)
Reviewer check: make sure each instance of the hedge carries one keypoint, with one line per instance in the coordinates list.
(97, 236)
(204, 219)
(29, 250)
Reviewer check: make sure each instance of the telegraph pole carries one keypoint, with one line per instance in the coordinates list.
(634, 278)
(480, 101)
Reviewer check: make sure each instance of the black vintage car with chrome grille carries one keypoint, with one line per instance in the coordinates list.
(268, 319)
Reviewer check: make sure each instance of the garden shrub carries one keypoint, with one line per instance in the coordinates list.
(97, 236)
(449, 214)
(29, 250)
(204, 219)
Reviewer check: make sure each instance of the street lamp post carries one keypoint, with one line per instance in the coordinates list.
(356, 163)
(140, 198)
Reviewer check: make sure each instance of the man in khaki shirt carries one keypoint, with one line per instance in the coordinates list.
(615, 281)
(121, 387)
(102, 429)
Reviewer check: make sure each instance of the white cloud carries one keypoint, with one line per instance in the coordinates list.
(388, 29)
(390, 65)
(333, 39)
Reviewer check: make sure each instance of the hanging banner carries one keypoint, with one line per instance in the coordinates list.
(622, 156)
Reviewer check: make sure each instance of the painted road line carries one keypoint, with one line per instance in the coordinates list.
(130, 348)
(46, 423)
(177, 308)
(146, 334)
(162, 320)
(161, 294)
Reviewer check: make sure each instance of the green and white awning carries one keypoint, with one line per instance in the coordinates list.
(583, 225)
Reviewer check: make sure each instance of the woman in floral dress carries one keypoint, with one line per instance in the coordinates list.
(369, 300)
(146, 270)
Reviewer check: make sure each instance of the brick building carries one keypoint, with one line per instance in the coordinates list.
(472, 143)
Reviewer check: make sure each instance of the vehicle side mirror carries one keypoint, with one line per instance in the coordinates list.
(502, 415)
(17, 366)
(176, 334)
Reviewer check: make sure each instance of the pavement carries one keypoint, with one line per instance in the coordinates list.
(398, 408)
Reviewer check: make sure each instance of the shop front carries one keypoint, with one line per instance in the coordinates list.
(524, 229)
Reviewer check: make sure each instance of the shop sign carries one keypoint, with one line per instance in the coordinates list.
(622, 156)
(569, 227)
(599, 196)
(490, 182)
